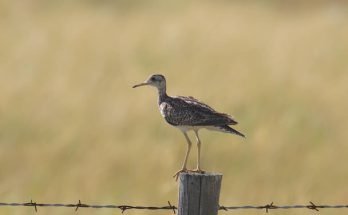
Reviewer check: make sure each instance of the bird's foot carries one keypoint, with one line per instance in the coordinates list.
(198, 170)
(176, 176)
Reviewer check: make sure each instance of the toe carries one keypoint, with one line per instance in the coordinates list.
(176, 175)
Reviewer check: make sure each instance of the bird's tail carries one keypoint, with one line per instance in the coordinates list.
(228, 129)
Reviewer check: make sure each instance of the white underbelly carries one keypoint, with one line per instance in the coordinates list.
(186, 128)
(196, 128)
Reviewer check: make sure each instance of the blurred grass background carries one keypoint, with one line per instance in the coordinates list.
(72, 128)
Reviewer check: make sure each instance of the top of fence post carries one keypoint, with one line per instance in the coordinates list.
(199, 193)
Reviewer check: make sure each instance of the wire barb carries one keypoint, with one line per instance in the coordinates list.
(123, 208)
(31, 203)
(312, 206)
(172, 207)
(78, 205)
(221, 207)
(269, 206)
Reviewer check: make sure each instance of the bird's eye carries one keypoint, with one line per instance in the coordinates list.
(152, 79)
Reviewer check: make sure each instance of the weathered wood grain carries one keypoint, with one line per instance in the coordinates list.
(199, 193)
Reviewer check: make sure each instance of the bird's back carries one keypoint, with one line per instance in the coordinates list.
(188, 111)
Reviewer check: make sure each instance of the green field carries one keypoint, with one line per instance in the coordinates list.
(73, 128)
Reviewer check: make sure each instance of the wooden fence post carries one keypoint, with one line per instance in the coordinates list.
(199, 193)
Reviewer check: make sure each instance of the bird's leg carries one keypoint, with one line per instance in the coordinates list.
(183, 169)
(198, 169)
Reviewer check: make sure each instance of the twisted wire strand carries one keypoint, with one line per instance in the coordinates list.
(123, 208)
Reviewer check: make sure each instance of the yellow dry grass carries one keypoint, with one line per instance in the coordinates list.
(72, 128)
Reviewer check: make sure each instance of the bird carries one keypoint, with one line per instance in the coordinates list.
(189, 114)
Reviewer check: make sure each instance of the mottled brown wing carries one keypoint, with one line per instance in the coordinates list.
(191, 112)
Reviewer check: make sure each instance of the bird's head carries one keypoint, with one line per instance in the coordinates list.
(157, 80)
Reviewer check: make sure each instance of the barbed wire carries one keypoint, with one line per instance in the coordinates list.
(81, 205)
(123, 208)
(271, 206)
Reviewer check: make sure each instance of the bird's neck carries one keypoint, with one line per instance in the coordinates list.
(162, 94)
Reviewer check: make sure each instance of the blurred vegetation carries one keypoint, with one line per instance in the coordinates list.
(72, 128)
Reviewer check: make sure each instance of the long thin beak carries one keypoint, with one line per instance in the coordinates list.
(139, 85)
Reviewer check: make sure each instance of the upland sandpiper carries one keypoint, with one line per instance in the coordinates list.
(187, 113)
